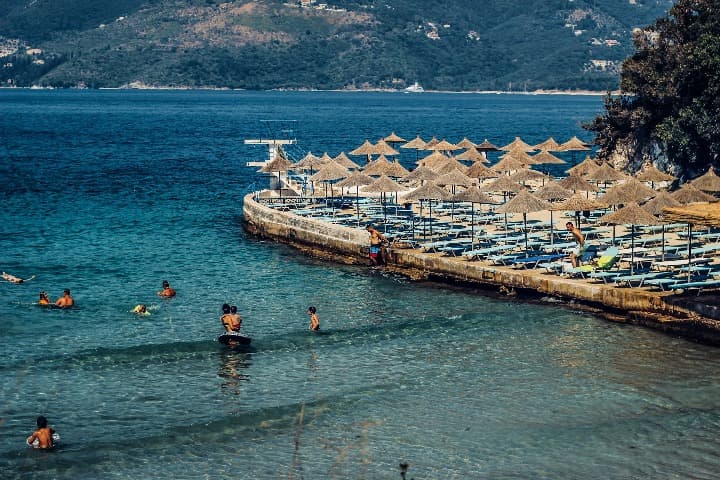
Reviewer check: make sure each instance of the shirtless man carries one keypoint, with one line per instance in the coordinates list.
(167, 291)
(314, 320)
(66, 301)
(576, 254)
(43, 435)
(230, 321)
(235, 319)
(376, 241)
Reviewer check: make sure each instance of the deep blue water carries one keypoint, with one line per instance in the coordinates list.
(110, 192)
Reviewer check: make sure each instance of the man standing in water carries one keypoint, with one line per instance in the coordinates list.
(167, 291)
(376, 245)
(66, 301)
(576, 254)
(43, 435)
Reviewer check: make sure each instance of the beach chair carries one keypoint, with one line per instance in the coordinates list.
(538, 260)
(700, 286)
(604, 263)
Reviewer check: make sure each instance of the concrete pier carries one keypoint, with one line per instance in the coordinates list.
(692, 317)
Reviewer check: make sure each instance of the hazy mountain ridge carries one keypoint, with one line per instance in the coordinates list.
(460, 45)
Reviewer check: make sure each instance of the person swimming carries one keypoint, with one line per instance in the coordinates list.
(42, 437)
(314, 320)
(44, 299)
(140, 309)
(167, 290)
(66, 301)
(14, 279)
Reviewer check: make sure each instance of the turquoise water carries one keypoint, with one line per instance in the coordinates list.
(108, 193)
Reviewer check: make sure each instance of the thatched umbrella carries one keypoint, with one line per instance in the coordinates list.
(584, 167)
(448, 165)
(382, 186)
(454, 178)
(578, 203)
(503, 185)
(695, 214)
(393, 138)
(630, 191)
(605, 173)
(486, 146)
(518, 144)
(421, 174)
(356, 179)
(278, 164)
(472, 154)
(709, 182)
(480, 171)
(431, 143)
(382, 148)
(689, 194)
(650, 173)
(443, 146)
(377, 167)
(417, 143)
(524, 202)
(429, 191)
(395, 170)
(366, 149)
(509, 164)
(577, 184)
(549, 145)
(432, 159)
(525, 174)
(343, 160)
(553, 192)
(573, 145)
(546, 157)
(656, 206)
(472, 195)
(329, 173)
(465, 143)
(631, 214)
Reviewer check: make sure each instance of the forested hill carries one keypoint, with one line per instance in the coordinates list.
(345, 44)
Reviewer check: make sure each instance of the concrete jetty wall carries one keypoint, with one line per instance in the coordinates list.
(632, 305)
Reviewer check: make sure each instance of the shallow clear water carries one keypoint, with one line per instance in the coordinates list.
(108, 193)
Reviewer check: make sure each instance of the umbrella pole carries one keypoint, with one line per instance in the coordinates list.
(663, 242)
(552, 233)
(423, 220)
(472, 225)
(357, 202)
(384, 204)
(526, 236)
(431, 234)
(632, 248)
(689, 249)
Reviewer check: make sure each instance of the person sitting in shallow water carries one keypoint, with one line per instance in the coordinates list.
(140, 309)
(231, 321)
(66, 301)
(43, 435)
(44, 299)
(167, 290)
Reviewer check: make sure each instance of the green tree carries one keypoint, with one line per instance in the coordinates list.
(669, 105)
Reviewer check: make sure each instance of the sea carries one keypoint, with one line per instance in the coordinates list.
(108, 193)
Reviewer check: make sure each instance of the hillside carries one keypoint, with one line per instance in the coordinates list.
(348, 44)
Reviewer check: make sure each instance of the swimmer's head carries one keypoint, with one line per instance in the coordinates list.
(43, 294)
(166, 284)
(226, 308)
(41, 422)
(233, 309)
(312, 310)
(66, 291)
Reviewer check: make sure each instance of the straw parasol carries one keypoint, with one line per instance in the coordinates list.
(429, 191)
(329, 173)
(356, 179)
(524, 202)
(503, 185)
(443, 146)
(573, 145)
(480, 171)
(382, 148)
(343, 160)
(383, 185)
(417, 143)
(431, 143)
(631, 214)
(577, 184)
(689, 194)
(553, 192)
(377, 167)
(472, 154)
(395, 170)
(278, 164)
(695, 214)
(709, 182)
(518, 144)
(525, 174)
(448, 165)
(605, 173)
(365, 149)
(650, 173)
(546, 157)
(630, 191)
(486, 146)
(584, 167)
(421, 174)
(464, 143)
(509, 164)
(431, 159)
(549, 145)
(454, 178)
(393, 138)
(472, 195)
(578, 203)
(656, 206)
(307, 162)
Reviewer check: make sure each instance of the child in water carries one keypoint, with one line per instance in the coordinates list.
(140, 309)
(44, 299)
(314, 320)
(43, 436)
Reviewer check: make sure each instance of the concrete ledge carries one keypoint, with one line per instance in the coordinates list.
(632, 305)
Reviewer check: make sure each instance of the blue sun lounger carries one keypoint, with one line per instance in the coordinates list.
(700, 286)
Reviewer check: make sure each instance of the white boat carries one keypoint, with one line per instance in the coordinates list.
(414, 88)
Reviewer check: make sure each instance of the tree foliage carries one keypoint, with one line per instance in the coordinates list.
(669, 107)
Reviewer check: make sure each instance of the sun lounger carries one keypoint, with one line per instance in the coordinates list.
(537, 260)
(638, 279)
(700, 286)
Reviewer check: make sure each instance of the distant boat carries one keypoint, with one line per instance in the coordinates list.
(414, 88)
